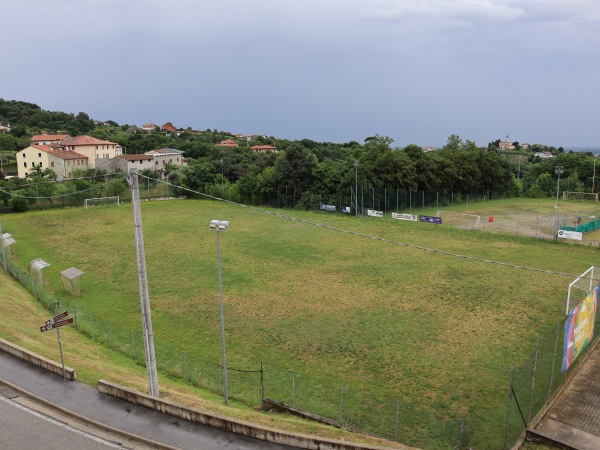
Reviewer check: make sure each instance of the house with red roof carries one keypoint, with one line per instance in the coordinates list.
(96, 150)
(227, 143)
(62, 162)
(168, 127)
(264, 149)
(47, 139)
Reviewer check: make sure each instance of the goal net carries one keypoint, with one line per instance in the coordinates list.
(585, 196)
(101, 201)
(462, 220)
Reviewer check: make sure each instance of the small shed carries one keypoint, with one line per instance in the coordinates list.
(71, 280)
(35, 269)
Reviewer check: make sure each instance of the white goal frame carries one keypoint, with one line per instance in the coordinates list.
(585, 195)
(102, 201)
(581, 282)
(476, 216)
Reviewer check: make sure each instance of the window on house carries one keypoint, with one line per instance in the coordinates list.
(96, 147)
(39, 155)
(23, 155)
(24, 164)
(51, 163)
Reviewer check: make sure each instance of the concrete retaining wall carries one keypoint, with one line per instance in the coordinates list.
(36, 359)
(228, 424)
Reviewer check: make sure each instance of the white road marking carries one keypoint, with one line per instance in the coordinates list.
(61, 424)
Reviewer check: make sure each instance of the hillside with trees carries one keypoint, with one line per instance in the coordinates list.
(305, 168)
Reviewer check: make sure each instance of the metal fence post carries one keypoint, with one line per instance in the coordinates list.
(186, 367)
(75, 317)
(342, 405)
(553, 362)
(133, 345)
(510, 390)
(262, 382)
(294, 388)
(537, 346)
(397, 417)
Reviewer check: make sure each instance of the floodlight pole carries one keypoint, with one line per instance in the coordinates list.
(558, 170)
(132, 179)
(218, 226)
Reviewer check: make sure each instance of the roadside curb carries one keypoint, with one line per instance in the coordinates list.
(267, 434)
(87, 420)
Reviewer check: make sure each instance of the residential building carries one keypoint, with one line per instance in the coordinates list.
(48, 139)
(264, 149)
(94, 149)
(4, 128)
(168, 127)
(62, 162)
(148, 127)
(125, 163)
(227, 143)
(164, 156)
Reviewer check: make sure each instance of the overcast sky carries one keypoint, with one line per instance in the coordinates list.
(328, 70)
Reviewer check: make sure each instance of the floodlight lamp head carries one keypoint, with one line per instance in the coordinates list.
(219, 225)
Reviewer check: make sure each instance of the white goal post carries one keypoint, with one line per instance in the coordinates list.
(474, 216)
(584, 282)
(589, 196)
(101, 201)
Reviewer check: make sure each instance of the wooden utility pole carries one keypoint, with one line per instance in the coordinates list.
(132, 179)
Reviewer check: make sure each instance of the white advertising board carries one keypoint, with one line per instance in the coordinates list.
(577, 235)
(374, 213)
(404, 216)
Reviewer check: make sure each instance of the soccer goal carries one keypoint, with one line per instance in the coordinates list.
(584, 282)
(460, 219)
(101, 201)
(585, 196)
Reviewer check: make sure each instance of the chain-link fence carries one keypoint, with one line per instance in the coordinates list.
(533, 383)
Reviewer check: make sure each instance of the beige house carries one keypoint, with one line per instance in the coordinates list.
(96, 150)
(264, 149)
(62, 162)
(165, 156)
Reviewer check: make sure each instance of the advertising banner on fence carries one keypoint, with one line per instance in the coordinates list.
(324, 207)
(577, 235)
(431, 219)
(346, 209)
(404, 216)
(374, 213)
(579, 328)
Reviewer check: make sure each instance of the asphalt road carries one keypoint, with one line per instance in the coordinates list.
(88, 402)
(24, 428)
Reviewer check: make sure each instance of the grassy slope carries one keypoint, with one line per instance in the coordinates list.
(23, 315)
(436, 332)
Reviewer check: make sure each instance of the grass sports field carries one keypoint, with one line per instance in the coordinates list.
(397, 327)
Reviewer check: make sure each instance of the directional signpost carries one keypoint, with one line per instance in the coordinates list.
(58, 321)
